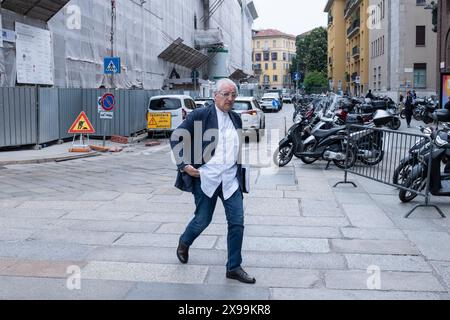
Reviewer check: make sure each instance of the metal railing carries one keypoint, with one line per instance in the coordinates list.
(389, 157)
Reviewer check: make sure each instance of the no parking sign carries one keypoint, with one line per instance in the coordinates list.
(108, 102)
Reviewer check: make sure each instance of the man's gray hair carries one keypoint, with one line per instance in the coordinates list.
(223, 82)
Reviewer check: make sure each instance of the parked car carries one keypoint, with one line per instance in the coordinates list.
(287, 98)
(204, 102)
(253, 119)
(276, 94)
(270, 104)
(166, 113)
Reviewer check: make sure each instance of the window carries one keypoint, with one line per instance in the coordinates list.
(420, 35)
(257, 44)
(257, 56)
(266, 79)
(165, 104)
(266, 56)
(284, 56)
(275, 78)
(266, 66)
(274, 56)
(274, 66)
(274, 43)
(420, 75)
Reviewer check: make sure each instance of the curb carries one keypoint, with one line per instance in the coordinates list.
(53, 159)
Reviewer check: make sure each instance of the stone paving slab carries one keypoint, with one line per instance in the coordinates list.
(327, 294)
(374, 246)
(32, 213)
(149, 206)
(59, 205)
(388, 262)
(106, 225)
(373, 234)
(8, 203)
(169, 291)
(77, 236)
(297, 221)
(349, 198)
(132, 197)
(280, 207)
(310, 195)
(367, 216)
(100, 215)
(6, 262)
(162, 240)
(261, 193)
(41, 269)
(144, 272)
(45, 250)
(395, 281)
(280, 244)
(268, 277)
(13, 234)
(433, 245)
(312, 208)
(26, 288)
(443, 270)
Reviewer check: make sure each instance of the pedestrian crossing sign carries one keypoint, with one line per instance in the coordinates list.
(111, 65)
(82, 125)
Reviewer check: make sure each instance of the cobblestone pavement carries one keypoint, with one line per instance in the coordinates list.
(107, 228)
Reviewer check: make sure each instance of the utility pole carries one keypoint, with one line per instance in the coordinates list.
(113, 20)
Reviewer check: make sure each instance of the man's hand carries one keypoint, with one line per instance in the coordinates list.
(190, 170)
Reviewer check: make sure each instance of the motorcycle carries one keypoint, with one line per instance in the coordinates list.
(439, 152)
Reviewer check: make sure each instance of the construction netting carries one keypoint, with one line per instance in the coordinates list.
(81, 35)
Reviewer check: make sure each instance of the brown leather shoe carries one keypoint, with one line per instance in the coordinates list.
(240, 275)
(183, 252)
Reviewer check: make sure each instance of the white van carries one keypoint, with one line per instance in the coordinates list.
(166, 113)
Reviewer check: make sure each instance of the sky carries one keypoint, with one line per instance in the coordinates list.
(290, 16)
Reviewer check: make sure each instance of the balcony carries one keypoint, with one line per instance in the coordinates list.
(350, 5)
(330, 61)
(355, 52)
(354, 28)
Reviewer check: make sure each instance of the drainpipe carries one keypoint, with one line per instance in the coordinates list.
(206, 14)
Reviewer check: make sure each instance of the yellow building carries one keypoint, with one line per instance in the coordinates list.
(348, 45)
(336, 45)
(357, 46)
(273, 52)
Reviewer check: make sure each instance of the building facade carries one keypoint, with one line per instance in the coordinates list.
(336, 45)
(403, 48)
(143, 30)
(357, 46)
(273, 52)
(443, 47)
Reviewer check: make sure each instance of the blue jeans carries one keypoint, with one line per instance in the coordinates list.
(234, 210)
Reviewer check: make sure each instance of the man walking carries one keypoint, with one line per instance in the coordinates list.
(213, 171)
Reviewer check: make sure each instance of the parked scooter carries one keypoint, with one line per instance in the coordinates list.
(439, 152)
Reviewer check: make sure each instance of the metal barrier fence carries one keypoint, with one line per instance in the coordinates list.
(389, 157)
(36, 116)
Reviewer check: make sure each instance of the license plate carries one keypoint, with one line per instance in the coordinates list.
(161, 120)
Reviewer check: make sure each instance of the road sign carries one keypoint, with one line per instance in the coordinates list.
(82, 125)
(296, 76)
(159, 120)
(108, 102)
(99, 104)
(106, 115)
(111, 65)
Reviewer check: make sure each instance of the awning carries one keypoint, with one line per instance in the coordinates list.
(42, 10)
(239, 75)
(183, 55)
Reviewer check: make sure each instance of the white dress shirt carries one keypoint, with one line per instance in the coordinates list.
(222, 167)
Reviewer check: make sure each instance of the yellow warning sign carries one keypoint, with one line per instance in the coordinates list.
(161, 120)
(82, 125)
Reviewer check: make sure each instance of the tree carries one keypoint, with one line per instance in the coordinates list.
(315, 82)
(312, 52)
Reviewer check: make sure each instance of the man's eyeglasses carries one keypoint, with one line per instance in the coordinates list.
(228, 94)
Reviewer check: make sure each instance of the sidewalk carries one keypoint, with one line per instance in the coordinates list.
(56, 152)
